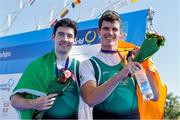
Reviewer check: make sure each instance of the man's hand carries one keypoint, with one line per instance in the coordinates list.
(135, 51)
(44, 102)
(40, 103)
(130, 68)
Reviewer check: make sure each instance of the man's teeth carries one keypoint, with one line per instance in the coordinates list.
(109, 38)
(62, 44)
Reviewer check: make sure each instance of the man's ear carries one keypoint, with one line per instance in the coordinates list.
(121, 35)
(53, 36)
(75, 40)
(98, 31)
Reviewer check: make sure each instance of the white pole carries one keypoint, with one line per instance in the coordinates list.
(21, 4)
(9, 20)
(51, 15)
(65, 2)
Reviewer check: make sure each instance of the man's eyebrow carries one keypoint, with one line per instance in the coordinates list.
(60, 32)
(105, 27)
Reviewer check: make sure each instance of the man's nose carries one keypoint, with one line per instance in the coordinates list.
(65, 38)
(110, 31)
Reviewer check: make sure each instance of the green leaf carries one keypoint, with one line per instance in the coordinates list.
(149, 47)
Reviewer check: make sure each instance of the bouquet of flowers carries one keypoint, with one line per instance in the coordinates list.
(57, 86)
(151, 44)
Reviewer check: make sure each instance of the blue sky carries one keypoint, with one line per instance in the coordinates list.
(166, 21)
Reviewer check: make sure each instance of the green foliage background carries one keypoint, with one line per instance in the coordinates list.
(172, 107)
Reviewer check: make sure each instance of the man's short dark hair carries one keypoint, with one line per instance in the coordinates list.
(66, 22)
(109, 16)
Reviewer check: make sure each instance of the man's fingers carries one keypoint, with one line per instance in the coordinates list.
(48, 105)
(135, 51)
(51, 103)
(52, 95)
(136, 65)
(51, 100)
(45, 108)
(129, 59)
(131, 72)
(133, 67)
